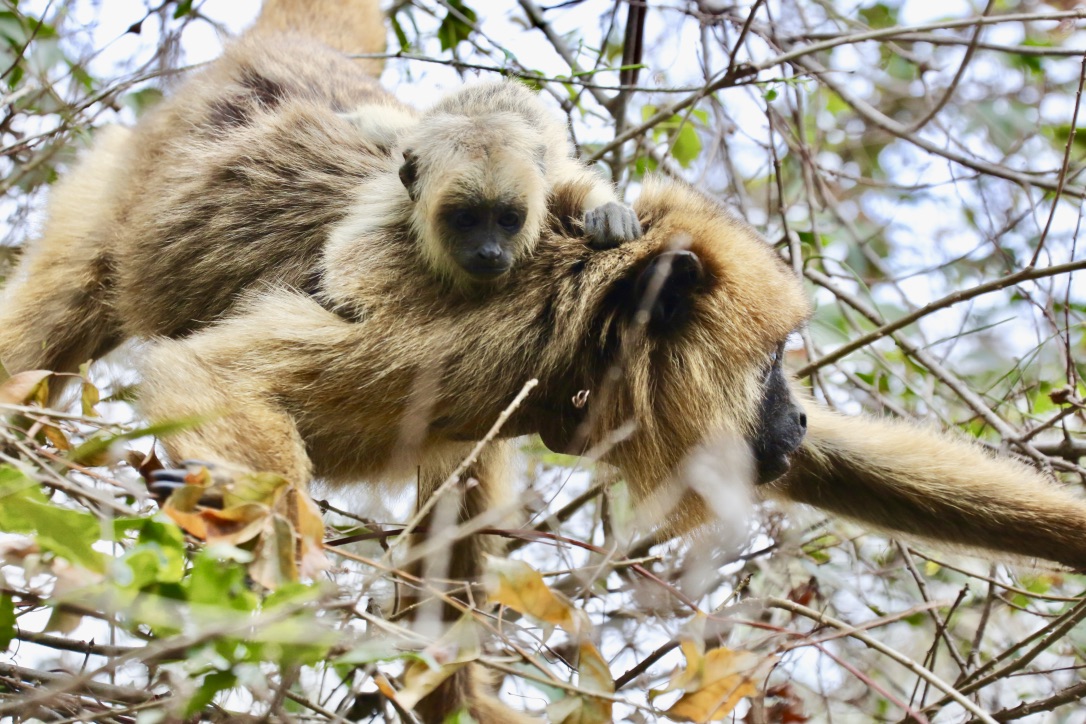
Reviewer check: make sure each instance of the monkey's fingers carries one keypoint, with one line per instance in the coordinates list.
(611, 224)
(163, 482)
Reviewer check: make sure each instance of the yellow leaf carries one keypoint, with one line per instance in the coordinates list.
(593, 672)
(255, 488)
(300, 509)
(520, 587)
(25, 387)
(89, 396)
(56, 436)
(593, 675)
(714, 683)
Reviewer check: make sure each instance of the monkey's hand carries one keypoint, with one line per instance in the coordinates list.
(610, 225)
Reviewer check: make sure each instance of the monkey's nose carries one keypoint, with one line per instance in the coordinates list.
(489, 252)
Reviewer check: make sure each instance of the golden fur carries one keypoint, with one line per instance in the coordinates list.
(227, 229)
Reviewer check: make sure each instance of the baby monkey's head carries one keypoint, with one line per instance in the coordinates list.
(479, 189)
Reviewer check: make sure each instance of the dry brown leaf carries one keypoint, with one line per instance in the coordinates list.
(714, 682)
(520, 587)
(458, 647)
(309, 525)
(274, 561)
(280, 520)
(25, 387)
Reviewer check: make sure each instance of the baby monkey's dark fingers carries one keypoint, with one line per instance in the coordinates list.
(611, 224)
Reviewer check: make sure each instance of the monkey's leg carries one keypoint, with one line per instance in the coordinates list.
(54, 315)
(483, 487)
(901, 477)
(55, 312)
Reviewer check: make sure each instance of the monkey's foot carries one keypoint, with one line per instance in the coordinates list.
(610, 225)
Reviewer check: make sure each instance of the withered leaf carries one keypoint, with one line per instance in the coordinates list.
(715, 682)
(25, 387)
(458, 647)
(278, 518)
(519, 586)
(593, 674)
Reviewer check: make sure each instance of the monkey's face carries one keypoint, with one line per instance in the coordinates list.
(482, 236)
(685, 330)
(479, 193)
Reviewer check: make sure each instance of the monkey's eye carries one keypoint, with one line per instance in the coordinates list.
(509, 220)
(464, 219)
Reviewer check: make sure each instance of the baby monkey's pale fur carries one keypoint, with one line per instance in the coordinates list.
(224, 229)
(488, 146)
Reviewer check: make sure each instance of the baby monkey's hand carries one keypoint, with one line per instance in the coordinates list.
(611, 224)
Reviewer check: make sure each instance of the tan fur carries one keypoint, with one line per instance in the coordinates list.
(52, 312)
(349, 26)
(907, 479)
(226, 228)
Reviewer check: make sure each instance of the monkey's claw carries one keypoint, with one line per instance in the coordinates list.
(611, 224)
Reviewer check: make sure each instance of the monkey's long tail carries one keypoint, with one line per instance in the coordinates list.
(55, 309)
(908, 479)
(350, 26)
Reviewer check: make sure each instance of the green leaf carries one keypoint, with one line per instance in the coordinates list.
(67, 533)
(879, 15)
(687, 145)
(158, 556)
(184, 7)
(212, 684)
(92, 451)
(401, 36)
(453, 29)
(142, 100)
(7, 620)
(221, 583)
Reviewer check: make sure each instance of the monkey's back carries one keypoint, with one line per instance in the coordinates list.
(236, 179)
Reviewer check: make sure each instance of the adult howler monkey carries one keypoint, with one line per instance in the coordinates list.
(221, 228)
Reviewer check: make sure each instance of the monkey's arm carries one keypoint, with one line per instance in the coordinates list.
(904, 478)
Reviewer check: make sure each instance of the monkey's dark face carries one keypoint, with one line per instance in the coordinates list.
(685, 329)
(482, 236)
(782, 424)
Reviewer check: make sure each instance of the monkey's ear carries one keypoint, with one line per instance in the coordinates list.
(409, 173)
(667, 288)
